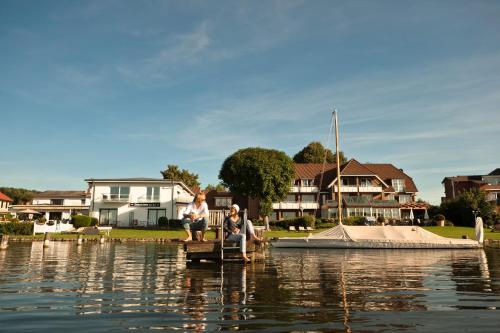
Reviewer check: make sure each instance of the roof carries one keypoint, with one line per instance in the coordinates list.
(387, 171)
(5, 197)
(61, 194)
(383, 171)
(495, 172)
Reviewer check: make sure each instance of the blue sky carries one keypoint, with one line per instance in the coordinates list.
(123, 88)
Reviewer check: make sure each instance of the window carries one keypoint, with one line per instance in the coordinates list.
(119, 192)
(390, 197)
(56, 201)
(307, 182)
(153, 193)
(308, 198)
(404, 199)
(154, 215)
(223, 201)
(398, 185)
(289, 215)
(108, 216)
(365, 182)
(290, 198)
(345, 181)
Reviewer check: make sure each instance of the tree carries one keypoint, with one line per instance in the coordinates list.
(260, 173)
(173, 172)
(467, 205)
(19, 195)
(315, 153)
(219, 188)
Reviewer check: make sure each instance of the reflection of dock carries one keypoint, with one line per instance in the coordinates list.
(211, 250)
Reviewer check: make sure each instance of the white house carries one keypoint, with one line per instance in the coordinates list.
(130, 202)
(57, 205)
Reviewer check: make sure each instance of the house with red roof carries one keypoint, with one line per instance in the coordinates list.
(376, 190)
(367, 190)
(5, 202)
(489, 183)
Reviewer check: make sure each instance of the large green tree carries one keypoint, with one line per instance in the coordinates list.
(469, 203)
(19, 195)
(315, 153)
(173, 172)
(260, 173)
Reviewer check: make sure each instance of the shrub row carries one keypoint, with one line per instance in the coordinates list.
(16, 228)
(80, 221)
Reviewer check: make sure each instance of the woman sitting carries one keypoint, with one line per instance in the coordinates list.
(232, 231)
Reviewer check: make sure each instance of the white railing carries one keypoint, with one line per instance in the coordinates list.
(304, 189)
(295, 205)
(362, 189)
(108, 198)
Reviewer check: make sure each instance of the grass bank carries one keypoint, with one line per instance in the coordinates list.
(451, 232)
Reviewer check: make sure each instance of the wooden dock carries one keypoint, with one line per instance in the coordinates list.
(211, 250)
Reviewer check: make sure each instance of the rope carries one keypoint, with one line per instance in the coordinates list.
(324, 163)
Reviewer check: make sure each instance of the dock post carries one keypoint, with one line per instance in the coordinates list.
(102, 239)
(79, 240)
(4, 242)
(46, 240)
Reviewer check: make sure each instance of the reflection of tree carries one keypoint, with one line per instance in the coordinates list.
(493, 265)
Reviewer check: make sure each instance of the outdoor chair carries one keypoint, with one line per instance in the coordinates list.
(291, 228)
(309, 229)
(301, 228)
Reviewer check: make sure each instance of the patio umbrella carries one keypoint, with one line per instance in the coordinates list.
(411, 214)
(426, 215)
(29, 211)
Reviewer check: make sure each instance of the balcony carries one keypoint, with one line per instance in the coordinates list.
(114, 198)
(362, 189)
(304, 189)
(295, 205)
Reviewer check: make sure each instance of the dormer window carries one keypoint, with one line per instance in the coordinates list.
(398, 185)
(365, 182)
(307, 182)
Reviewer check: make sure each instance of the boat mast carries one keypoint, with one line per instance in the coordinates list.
(337, 153)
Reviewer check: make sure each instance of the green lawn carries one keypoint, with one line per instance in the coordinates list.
(452, 232)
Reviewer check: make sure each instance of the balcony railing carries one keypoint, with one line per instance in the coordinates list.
(295, 205)
(304, 189)
(114, 198)
(362, 189)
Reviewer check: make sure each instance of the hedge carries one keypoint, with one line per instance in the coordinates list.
(16, 228)
(80, 221)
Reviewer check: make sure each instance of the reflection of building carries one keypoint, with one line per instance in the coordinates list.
(367, 190)
(489, 183)
(127, 202)
(57, 205)
(5, 202)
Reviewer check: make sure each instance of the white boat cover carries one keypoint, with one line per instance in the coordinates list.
(397, 237)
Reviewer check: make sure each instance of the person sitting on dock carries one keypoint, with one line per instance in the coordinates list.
(233, 233)
(196, 217)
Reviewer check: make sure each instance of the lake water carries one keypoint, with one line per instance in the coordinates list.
(146, 287)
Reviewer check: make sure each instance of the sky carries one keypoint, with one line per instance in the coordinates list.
(123, 88)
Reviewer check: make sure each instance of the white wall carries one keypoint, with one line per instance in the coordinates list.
(137, 194)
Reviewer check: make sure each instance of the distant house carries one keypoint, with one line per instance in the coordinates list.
(489, 183)
(367, 190)
(5, 202)
(130, 202)
(58, 205)
(221, 201)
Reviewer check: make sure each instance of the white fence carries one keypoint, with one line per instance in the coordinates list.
(56, 227)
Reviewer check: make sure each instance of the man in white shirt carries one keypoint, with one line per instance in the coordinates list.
(196, 217)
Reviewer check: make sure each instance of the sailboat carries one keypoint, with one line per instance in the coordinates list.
(387, 237)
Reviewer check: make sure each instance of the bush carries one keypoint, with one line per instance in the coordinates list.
(448, 223)
(354, 220)
(439, 217)
(42, 220)
(162, 222)
(16, 228)
(94, 221)
(175, 224)
(80, 221)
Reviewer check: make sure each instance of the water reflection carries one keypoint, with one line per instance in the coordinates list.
(97, 287)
